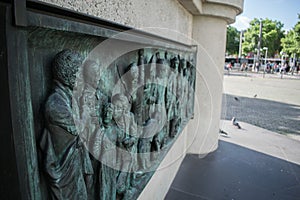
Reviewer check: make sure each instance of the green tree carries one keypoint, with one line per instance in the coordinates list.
(232, 40)
(297, 30)
(271, 36)
(289, 44)
(291, 41)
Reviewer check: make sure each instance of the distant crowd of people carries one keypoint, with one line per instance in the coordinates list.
(270, 67)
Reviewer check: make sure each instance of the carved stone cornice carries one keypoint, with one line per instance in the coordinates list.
(225, 9)
(193, 6)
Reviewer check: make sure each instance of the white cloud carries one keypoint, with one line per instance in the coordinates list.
(241, 23)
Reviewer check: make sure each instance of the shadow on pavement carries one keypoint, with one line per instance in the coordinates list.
(235, 172)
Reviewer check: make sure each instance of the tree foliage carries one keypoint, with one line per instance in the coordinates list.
(272, 32)
(232, 40)
(291, 41)
(273, 37)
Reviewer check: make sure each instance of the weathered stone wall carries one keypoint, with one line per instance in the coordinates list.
(162, 14)
(203, 20)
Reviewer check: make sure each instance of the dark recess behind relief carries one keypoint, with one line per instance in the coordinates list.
(9, 177)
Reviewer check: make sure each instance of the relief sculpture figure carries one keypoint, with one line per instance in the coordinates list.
(137, 96)
(106, 133)
(89, 103)
(110, 136)
(126, 156)
(66, 164)
(171, 101)
(159, 140)
(140, 63)
(191, 91)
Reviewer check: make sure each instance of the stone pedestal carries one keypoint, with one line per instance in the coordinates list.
(210, 20)
(32, 33)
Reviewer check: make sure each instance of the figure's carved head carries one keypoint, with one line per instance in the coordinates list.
(108, 111)
(182, 64)
(121, 105)
(162, 68)
(91, 72)
(133, 70)
(141, 52)
(175, 63)
(65, 66)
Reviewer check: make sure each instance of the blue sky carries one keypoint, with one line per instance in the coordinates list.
(280, 10)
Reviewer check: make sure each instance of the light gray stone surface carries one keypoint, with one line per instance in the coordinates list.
(163, 14)
(262, 140)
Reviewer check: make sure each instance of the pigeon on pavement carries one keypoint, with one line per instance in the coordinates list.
(222, 132)
(235, 123)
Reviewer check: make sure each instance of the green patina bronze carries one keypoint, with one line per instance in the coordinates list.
(76, 127)
(99, 144)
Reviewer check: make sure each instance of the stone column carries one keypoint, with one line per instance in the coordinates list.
(209, 33)
(210, 20)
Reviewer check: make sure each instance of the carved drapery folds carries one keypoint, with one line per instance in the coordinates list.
(108, 128)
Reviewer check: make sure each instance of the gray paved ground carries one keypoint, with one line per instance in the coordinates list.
(235, 172)
(252, 162)
(271, 103)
